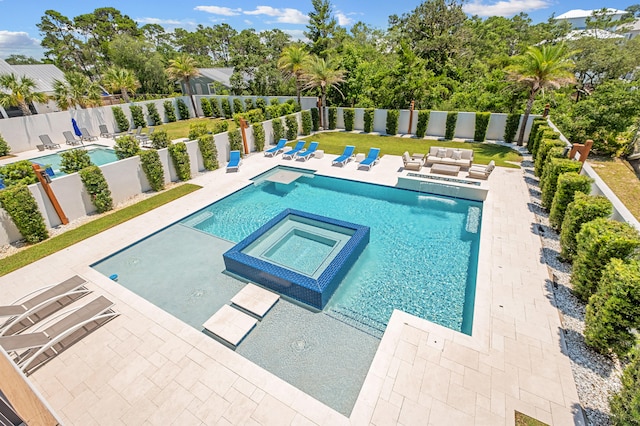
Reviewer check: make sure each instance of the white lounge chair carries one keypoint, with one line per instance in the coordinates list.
(482, 172)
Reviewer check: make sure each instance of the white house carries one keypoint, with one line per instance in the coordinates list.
(577, 18)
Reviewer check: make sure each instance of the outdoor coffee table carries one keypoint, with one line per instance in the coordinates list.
(445, 169)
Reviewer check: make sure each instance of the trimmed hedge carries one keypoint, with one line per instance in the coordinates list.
(292, 127)
(599, 241)
(307, 123)
(544, 132)
(262, 104)
(74, 160)
(121, 119)
(533, 133)
(152, 167)
(22, 207)
(209, 151)
(183, 110)
(568, 184)
(555, 167)
(97, 187)
(348, 116)
(159, 139)
(248, 104)
(333, 117)
(423, 123)
(272, 111)
(215, 107)
(238, 107)
(278, 129)
(482, 122)
(220, 127)
(258, 136)
(450, 125)
(543, 151)
(126, 146)
(226, 108)
(392, 122)
(315, 118)
(180, 158)
(137, 116)
(368, 120)
(613, 312)
(18, 173)
(5, 149)
(197, 129)
(169, 111)
(625, 405)
(153, 114)
(584, 208)
(206, 107)
(511, 127)
(235, 141)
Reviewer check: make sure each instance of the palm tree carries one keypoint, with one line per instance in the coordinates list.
(322, 74)
(539, 68)
(291, 62)
(120, 80)
(77, 90)
(20, 92)
(183, 67)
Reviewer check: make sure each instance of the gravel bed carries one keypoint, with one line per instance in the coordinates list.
(597, 377)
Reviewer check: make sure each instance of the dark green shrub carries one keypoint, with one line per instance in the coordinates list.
(152, 167)
(169, 111)
(392, 121)
(541, 159)
(307, 124)
(533, 133)
(137, 116)
(126, 146)
(368, 120)
(248, 104)
(291, 122)
(423, 122)
(544, 132)
(348, 115)
(153, 114)
(206, 107)
(180, 159)
(215, 108)
(294, 105)
(450, 125)
(254, 115)
(274, 101)
(196, 130)
(183, 110)
(549, 183)
(5, 149)
(613, 312)
(235, 141)
(625, 405)
(209, 151)
(121, 119)
(21, 206)
(278, 129)
(286, 108)
(220, 127)
(599, 241)
(238, 107)
(97, 187)
(273, 111)
(18, 173)
(333, 117)
(482, 122)
(74, 160)
(584, 208)
(258, 136)
(260, 103)
(315, 118)
(511, 127)
(226, 108)
(568, 185)
(160, 139)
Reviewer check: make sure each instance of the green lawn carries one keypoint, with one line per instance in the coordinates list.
(52, 245)
(334, 143)
(180, 129)
(620, 177)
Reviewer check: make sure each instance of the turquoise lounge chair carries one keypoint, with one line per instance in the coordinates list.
(272, 152)
(346, 156)
(310, 152)
(293, 152)
(372, 158)
(234, 161)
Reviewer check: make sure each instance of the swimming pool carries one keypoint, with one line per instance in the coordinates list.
(99, 155)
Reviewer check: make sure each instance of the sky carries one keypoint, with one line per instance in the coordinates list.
(19, 34)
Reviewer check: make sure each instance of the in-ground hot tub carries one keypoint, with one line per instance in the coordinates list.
(301, 255)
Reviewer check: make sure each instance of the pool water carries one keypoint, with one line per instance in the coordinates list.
(99, 155)
(301, 250)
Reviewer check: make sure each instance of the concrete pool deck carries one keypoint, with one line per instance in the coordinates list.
(147, 367)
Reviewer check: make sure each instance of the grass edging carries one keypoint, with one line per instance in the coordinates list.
(69, 238)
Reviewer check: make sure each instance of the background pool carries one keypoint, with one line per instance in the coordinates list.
(99, 155)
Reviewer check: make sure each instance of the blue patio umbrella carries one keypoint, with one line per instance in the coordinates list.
(76, 129)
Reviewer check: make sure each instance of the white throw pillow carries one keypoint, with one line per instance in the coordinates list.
(457, 155)
(442, 152)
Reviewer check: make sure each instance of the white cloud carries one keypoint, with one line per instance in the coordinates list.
(19, 43)
(164, 21)
(504, 7)
(248, 22)
(343, 20)
(219, 10)
(297, 35)
(283, 16)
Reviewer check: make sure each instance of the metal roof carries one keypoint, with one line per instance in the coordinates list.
(581, 13)
(42, 74)
(221, 75)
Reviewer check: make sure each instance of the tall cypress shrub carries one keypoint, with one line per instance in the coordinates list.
(153, 114)
(226, 108)
(215, 108)
(315, 118)
(555, 168)
(152, 168)
(368, 120)
(511, 127)
(180, 157)
(423, 122)
(183, 110)
(278, 129)
(292, 126)
(121, 119)
(333, 117)
(235, 140)
(450, 125)
(258, 136)
(97, 187)
(392, 122)
(568, 184)
(307, 123)
(625, 405)
(137, 116)
(206, 107)
(348, 116)
(22, 207)
(169, 111)
(583, 209)
(482, 122)
(209, 151)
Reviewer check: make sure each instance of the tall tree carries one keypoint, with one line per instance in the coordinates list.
(324, 75)
(543, 67)
(60, 42)
(21, 60)
(77, 90)
(19, 92)
(183, 67)
(291, 62)
(322, 27)
(142, 59)
(120, 80)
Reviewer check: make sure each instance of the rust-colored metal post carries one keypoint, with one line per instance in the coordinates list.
(44, 180)
(411, 107)
(320, 113)
(243, 125)
(582, 149)
(545, 114)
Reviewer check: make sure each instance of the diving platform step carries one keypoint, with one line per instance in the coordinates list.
(256, 300)
(283, 176)
(230, 324)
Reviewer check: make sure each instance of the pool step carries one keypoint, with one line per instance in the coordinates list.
(361, 322)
